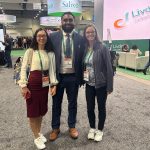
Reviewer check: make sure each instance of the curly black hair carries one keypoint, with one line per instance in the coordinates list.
(67, 13)
(48, 45)
(134, 47)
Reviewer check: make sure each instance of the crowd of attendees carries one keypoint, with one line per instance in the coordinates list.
(21, 42)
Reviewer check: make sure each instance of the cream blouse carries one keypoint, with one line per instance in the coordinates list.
(48, 62)
(137, 52)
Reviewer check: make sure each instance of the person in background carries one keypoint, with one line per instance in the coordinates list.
(24, 42)
(29, 40)
(8, 47)
(69, 50)
(125, 48)
(135, 50)
(35, 88)
(98, 76)
(19, 42)
(146, 67)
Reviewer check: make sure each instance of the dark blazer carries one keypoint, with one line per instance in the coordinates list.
(78, 44)
(8, 45)
(102, 66)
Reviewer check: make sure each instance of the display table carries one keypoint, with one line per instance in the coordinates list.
(2, 60)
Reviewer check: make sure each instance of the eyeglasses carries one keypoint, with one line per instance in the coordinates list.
(92, 32)
(68, 20)
(41, 36)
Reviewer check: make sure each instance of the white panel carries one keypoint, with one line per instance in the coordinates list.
(98, 16)
(127, 20)
(2, 47)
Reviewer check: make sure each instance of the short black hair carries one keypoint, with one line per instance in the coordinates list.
(48, 45)
(67, 13)
(134, 47)
(125, 45)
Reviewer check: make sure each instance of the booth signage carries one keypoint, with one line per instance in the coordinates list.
(50, 21)
(58, 7)
(36, 5)
(7, 18)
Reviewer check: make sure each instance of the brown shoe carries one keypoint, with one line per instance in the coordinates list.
(73, 133)
(54, 134)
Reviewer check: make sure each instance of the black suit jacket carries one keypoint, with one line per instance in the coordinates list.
(78, 44)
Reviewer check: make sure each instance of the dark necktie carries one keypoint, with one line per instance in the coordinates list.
(68, 46)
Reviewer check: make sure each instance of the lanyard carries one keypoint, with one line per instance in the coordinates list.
(87, 57)
(40, 62)
(64, 45)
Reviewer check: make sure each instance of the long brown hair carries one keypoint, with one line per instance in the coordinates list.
(96, 35)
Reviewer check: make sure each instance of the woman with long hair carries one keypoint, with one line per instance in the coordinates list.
(35, 87)
(98, 76)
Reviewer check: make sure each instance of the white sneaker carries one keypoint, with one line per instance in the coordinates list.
(43, 138)
(98, 135)
(91, 134)
(39, 143)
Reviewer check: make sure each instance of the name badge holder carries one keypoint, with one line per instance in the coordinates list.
(86, 74)
(67, 62)
(45, 77)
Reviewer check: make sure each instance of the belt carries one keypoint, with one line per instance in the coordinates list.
(66, 74)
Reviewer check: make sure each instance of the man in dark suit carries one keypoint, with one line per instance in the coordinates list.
(8, 47)
(69, 50)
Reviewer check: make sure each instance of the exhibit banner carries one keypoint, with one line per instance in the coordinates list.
(116, 45)
(58, 7)
(7, 18)
(126, 20)
(50, 21)
(2, 47)
(37, 6)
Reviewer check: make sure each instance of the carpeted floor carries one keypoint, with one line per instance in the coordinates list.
(138, 74)
(17, 53)
(127, 125)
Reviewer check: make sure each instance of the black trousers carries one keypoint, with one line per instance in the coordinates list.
(101, 95)
(2, 58)
(147, 65)
(68, 83)
(8, 58)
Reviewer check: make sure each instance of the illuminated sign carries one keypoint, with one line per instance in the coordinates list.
(58, 7)
(7, 18)
(36, 5)
(139, 13)
(129, 20)
(50, 21)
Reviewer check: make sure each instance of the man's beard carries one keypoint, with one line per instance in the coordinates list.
(68, 29)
